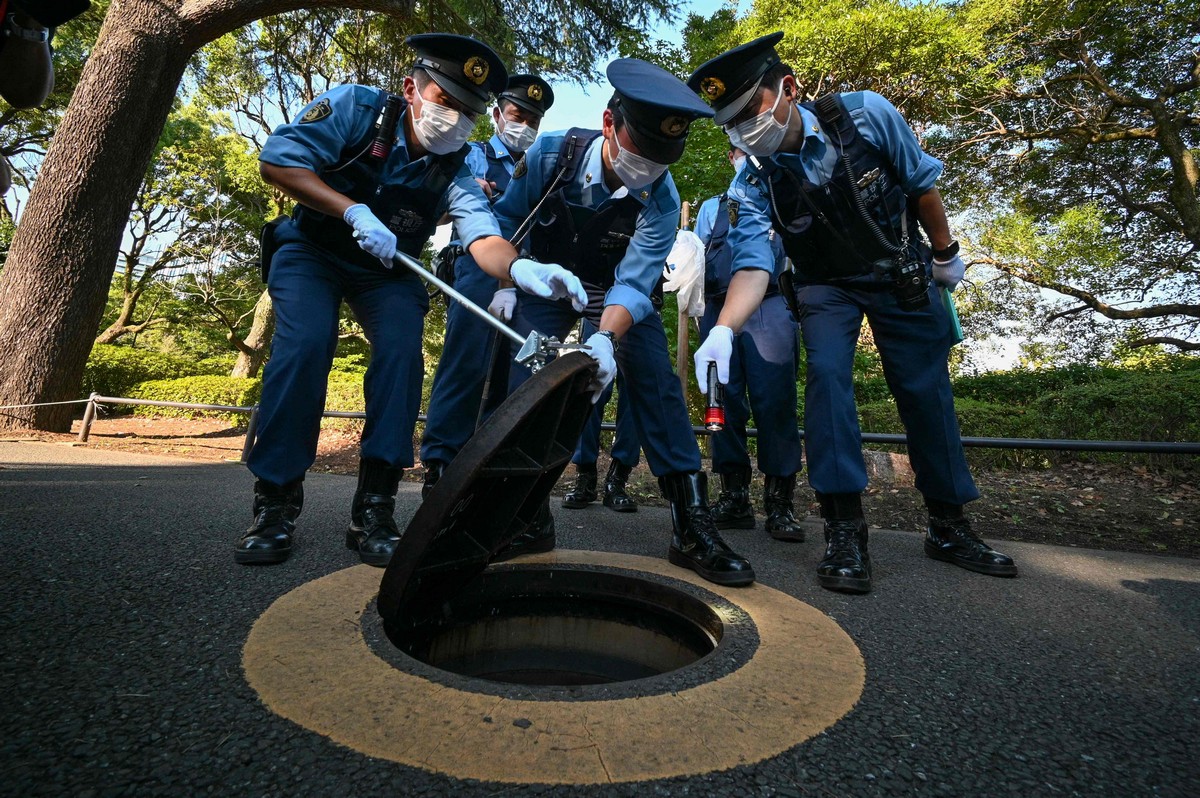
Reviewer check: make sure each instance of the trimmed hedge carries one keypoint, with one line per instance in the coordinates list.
(113, 370)
(207, 389)
(976, 420)
(1140, 406)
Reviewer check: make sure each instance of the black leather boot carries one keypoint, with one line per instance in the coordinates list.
(949, 538)
(733, 510)
(615, 497)
(846, 566)
(538, 537)
(433, 473)
(777, 503)
(584, 492)
(695, 541)
(269, 539)
(372, 531)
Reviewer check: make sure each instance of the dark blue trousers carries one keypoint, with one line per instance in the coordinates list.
(660, 416)
(763, 366)
(914, 346)
(625, 448)
(469, 349)
(307, 286)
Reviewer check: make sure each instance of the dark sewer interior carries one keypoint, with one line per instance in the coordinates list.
(562, 626)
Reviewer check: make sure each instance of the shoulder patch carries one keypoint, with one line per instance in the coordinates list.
(734, 207)
(317, 112)
(520, 169)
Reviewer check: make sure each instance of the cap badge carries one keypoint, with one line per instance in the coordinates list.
(674, 126)
(317, 112)
(476, 70)
(712, 87)
(535, 92)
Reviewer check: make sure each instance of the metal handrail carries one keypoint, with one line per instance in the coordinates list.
(1056, 444)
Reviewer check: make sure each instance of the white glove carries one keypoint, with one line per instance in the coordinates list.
(600, 347)
(373, 236)
(549, 281)
(949, 273)
(717, 346)
(504, 303)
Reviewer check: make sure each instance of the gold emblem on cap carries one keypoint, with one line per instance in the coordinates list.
(476, 69)
(713, 88)
(535, 92)
(674, 126)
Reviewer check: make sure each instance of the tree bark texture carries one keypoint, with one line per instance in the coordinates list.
(55, 281)
(248, 363)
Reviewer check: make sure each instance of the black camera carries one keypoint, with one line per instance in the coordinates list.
(910, 284)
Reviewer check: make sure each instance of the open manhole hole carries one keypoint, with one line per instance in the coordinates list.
(562, 626)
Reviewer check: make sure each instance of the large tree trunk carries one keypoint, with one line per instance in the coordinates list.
(55, 281)
(248, 363)
(56, 278)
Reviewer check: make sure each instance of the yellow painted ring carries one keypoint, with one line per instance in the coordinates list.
(307, 659)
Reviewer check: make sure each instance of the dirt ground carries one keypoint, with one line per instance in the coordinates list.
(1104, 506)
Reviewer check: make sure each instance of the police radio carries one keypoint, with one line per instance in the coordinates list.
(385, 132)
(714, 401)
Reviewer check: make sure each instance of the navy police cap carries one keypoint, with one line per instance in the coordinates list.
(530, 92)
(657, 106)
(466, 69)
(730, 80)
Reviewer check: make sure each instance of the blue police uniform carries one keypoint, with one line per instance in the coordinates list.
(764, 361)
(913, 345)
(318, 264)
(616, 243)
(643, 360)
(471, 346)
(625, 453)
(840, 196)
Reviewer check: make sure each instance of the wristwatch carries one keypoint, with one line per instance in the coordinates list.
(38, 35)
(612, 338)
(946, 254)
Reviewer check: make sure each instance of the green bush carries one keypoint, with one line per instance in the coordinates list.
(1140, 405)
(113, 370)
(218, 365)
(345, 393)
(209, 390)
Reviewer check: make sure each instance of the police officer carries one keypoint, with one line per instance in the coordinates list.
(462, 372)
(846, 185)
(625, 454)
(609, 214)
(372, 173)
(763, 365)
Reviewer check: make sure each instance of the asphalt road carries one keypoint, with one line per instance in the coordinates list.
(124, 619)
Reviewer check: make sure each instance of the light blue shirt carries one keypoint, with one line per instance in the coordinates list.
(654, 233)
(345, 115)
(877, 121)
(477, 160)
(706, 219)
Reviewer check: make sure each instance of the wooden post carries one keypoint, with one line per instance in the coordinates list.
(683, 361)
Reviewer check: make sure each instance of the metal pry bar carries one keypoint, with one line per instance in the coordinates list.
(534, 350)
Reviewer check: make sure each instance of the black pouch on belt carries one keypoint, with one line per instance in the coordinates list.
(267, 245)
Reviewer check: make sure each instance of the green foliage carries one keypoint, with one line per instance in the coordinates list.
(217, 365)
(113, 370)
(207, 389)
(1156, 406)
(912, 53)
(352, 364)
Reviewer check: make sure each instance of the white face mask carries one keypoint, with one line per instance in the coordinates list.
(516, 135)
(761, 135)
(441, 130)
(634, 171)
(739, 163)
